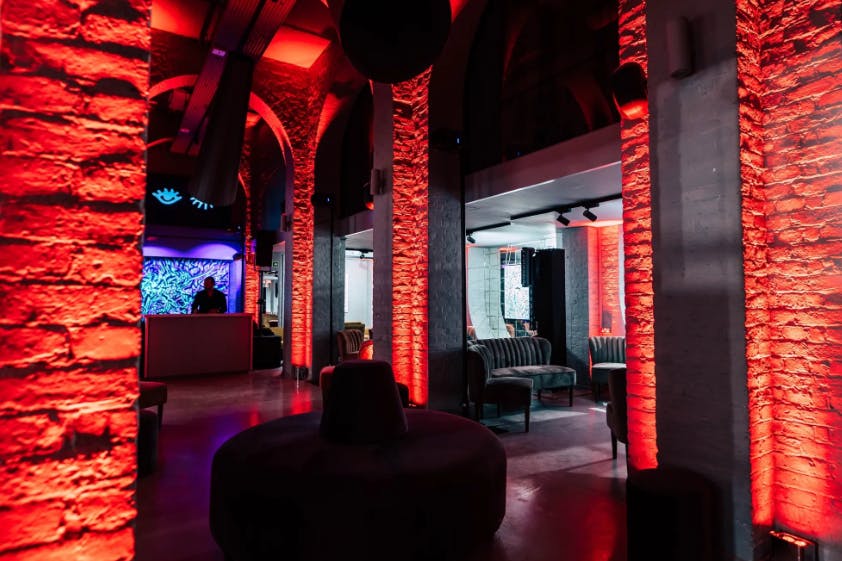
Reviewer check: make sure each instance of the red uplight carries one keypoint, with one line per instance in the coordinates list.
(635, 109)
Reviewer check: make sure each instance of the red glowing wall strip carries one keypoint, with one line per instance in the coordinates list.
(637, 235)
(801, 99)
(251, 277)
(594, 284)
(74, 113)
(610, 317)
(755, 261)
(409, 245)
(301, 320)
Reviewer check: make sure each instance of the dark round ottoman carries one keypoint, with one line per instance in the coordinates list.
(281, 491)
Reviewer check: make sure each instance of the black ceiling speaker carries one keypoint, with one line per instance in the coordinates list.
(218, 164)
(628, 86)
(391, 41)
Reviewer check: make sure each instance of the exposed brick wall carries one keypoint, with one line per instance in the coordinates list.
(72, 122)
(637, 236)
(792, 233)
(409, 246)
(296, 96)
(609, 279)
(251, 277)
(755, 263)
(594, 281)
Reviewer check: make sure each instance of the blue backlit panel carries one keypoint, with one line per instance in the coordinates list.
(169, 284)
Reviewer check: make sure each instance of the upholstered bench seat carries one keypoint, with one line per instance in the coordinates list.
(518, 357)
(543, 375)
(365, 479)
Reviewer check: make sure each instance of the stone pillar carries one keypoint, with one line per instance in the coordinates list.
(382, 161)
(577, 297)
(74, 112)
(697, 276)
(410, 234)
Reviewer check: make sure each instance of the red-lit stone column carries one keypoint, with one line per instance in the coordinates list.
(251, 276)
(409, 229)
(594, 281)
(755, 262)
(609, 279)
(73, 102)
(637, 235)
(790, 60)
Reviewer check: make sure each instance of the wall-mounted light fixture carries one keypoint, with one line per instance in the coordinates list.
(629, 90)
(377, 182)
(286, 222)
(679, 48)
(789, 547)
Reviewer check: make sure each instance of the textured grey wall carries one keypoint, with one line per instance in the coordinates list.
(698, 274)
(575, 243)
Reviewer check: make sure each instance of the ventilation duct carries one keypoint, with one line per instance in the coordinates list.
(218, 164)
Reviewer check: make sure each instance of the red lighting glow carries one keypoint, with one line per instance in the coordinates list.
(636, 109)
(73, 168)
(409, 246)
(637, 235)
(296, 47)
(755, 263)
(301, 337)
(790, 56)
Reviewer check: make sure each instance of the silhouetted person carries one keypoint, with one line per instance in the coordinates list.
(209, 300)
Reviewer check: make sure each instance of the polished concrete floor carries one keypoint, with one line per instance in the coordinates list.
(566, 496)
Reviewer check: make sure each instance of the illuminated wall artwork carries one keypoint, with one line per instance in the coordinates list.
(409, 245)
(169, 285)
(515, 295)
(637, 236)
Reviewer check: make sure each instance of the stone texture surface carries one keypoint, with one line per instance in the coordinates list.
(576, 286)
(72, 126)
(410, 212)
(789, 58)
(637, 236)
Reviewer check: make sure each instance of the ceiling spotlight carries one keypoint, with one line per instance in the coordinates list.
(589, 215)
(470, 238)
(563, 219)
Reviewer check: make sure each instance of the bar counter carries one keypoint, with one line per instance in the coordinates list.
(191, 344)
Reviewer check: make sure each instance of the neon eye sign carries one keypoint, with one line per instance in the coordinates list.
(200, 204)
(167, 196)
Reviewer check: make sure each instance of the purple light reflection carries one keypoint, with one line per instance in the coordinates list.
(166, 247)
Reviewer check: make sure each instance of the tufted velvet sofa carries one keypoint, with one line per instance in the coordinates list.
(490, 360)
